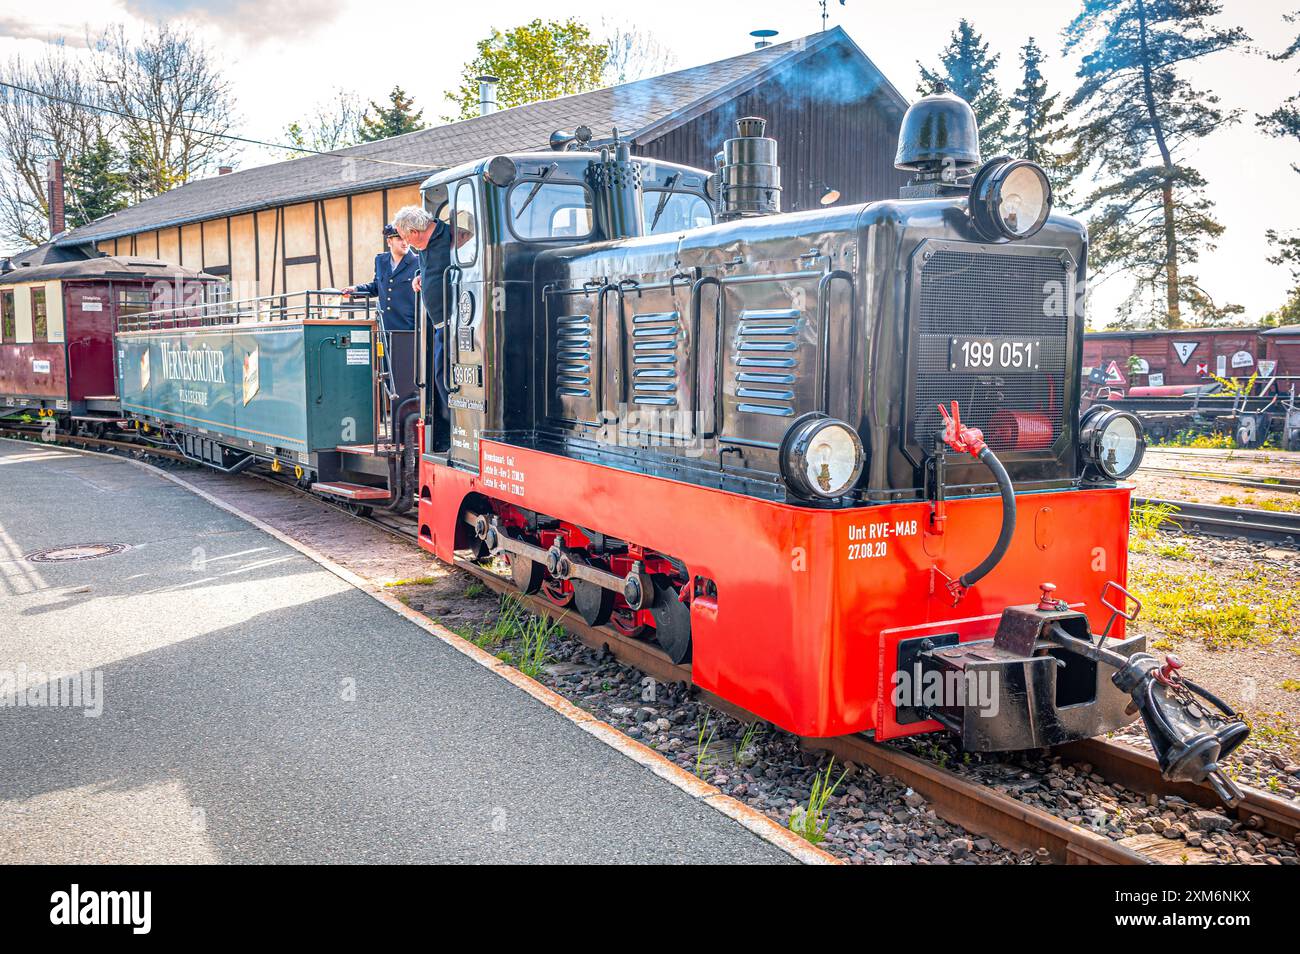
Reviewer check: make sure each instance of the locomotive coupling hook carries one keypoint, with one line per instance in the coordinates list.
(970, 440)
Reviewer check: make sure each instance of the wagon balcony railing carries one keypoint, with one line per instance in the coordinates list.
(317, 305)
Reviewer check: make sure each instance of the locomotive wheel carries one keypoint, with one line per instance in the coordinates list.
(525, 573)
(555, 591)
(360, 510)
(593, 602)
(624, 620)
(672, 622)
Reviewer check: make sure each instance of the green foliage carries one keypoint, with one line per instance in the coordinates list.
(1039, 132)
(809, 822)
(534, 61)
(396, 119)
(966, 69)
(703, 757)
(95, 183)
(1151, 219)
(534, 642)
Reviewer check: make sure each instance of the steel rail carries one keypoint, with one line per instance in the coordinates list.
(1265, 526)
(1286, 485)
(1140, 771)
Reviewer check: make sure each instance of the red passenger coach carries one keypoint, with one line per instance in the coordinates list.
(57, 323)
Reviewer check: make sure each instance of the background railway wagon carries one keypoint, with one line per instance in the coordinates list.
(57, 323)
(1283, 346)
(1191, 356)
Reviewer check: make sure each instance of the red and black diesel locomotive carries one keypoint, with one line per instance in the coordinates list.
(831, 458)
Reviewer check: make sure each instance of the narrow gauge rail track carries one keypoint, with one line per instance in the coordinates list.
(1264, 526)
(978, 808)
(1286, 485)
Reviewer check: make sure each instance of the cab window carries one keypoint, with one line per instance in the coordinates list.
(39, 331)
(464, 221)
(8, 327)
(674, 211)
(541, 210)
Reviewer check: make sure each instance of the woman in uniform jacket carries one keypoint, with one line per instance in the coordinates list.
(394, 271)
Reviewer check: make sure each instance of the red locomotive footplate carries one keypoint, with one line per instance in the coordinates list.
(811, 603)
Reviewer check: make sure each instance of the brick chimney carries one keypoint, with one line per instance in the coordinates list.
(225, 170)
(54, 175)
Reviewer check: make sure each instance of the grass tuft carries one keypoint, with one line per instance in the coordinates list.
(809, 822)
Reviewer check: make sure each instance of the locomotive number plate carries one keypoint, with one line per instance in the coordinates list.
(467, 374)
(994, 355)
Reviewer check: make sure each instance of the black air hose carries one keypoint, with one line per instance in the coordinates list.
(999, 550)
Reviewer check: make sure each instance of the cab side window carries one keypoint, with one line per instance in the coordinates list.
(39, 332)
(464, 222)
(8, 327)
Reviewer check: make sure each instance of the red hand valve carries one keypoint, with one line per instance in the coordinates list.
(962, 439)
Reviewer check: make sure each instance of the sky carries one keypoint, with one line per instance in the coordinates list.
(284, 56)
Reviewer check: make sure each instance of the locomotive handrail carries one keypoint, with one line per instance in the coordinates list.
(446, 327)
(696, 288)
(824, 316)
(622, 343)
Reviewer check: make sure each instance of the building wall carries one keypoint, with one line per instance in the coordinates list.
(830, 129)
(328, 243)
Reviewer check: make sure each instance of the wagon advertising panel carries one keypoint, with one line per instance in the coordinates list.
(301, 387)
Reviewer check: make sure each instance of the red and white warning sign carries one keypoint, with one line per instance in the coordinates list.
(1203, 368)
(1113, 375)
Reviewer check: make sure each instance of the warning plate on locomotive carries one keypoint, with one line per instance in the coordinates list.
(994, 355)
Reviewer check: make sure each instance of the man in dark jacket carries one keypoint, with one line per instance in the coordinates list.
(431, 238)
(395, 272)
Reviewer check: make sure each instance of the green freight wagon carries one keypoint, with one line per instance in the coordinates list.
(285, 391)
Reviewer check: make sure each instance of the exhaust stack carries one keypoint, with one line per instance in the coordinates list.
(615, 180)
(749, 179)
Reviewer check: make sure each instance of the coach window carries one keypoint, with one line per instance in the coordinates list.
(8, 332)
(38, 314)
(132, 301)
(465, 222)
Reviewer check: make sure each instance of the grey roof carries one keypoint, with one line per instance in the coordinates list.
(104, 266)
(44, 254)
(641, 110)
(1282, 331)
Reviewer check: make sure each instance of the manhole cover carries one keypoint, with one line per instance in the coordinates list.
(79, 551)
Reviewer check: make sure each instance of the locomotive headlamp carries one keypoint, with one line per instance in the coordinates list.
(1112, 441)
(821, 458)
(1010, 198)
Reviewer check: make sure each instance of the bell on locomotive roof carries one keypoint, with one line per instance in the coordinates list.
(939, 140)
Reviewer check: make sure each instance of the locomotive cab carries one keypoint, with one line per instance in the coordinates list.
(506, 211)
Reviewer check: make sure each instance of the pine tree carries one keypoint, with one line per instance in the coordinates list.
(967, 69)
(395, 119)
(95, 183)
(1039, 131)
(1284, 123)
(1151, 218)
